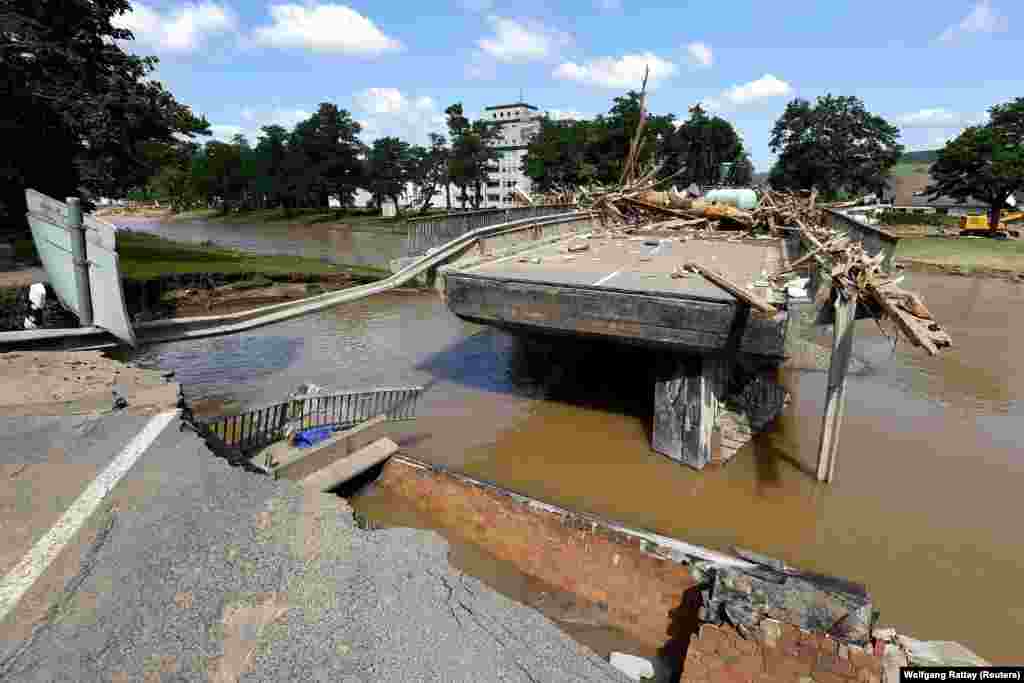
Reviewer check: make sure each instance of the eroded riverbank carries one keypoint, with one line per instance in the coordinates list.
(929, 455)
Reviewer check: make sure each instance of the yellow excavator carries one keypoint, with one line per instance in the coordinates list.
(977, 226)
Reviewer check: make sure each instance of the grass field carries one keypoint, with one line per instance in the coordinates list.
(905, 168)
(146, 256)
(297, 217)
(969, 254)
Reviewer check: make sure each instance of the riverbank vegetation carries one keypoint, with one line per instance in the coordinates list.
(145, 256)
(967, 255)
(369, 219)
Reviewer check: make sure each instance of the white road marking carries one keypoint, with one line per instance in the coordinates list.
(20, 579)
(606, 278)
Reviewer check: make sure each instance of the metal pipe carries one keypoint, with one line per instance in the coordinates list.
(81, 264)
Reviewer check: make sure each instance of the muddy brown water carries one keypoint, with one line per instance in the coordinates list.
(925, 509)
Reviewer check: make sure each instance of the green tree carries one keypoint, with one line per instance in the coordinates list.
(985, 162)
(389, 168)
(77, 110)
(614, 132)
(699, 146)
(743, 171)
(557, 156)
(324, 157)
(270, 152)
(429, 168)
(834, 145)
(472, 154)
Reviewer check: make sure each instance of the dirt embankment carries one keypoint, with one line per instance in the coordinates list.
(77, 382)
(213, 293)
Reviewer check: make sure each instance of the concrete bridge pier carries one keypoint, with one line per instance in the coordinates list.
(707, 407)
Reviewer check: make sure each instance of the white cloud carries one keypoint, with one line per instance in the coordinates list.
(938, 118)
(566, 115)
(324, 28)
(748, 93)
(480, 67)
(983, 18)
(389, 111)
(625, 72)
(519, 41)
(255, 119)
(700, 54)
(608, 5)
(183, 29)
(224, 132)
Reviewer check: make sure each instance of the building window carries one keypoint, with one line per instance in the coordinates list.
(493, 197)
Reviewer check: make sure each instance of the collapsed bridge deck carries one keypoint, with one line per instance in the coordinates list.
(623, 288)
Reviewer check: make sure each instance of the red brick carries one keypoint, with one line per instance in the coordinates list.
(828, 677)
(730, 673)
(862, 660)
(778, 664)
(827, 646)
(790, 635)
(695, 667)
(836, 665)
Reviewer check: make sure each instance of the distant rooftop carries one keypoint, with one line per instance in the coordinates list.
(509, 106)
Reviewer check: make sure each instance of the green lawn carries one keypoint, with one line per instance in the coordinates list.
(297, 217)
(147, 256)
(968, 253)
(905, 168)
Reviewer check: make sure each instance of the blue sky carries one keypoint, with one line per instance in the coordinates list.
(930, 66)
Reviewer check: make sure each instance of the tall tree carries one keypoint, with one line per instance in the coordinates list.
(324, 153)
(614, 131)
(557, 156)
(699, 146)
(271, 150)
(389, 168)
(472, 154)
(77, 110)
(985, 162)
(834, 144)
(429, 168)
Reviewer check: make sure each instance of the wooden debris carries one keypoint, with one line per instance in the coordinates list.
(734, 289)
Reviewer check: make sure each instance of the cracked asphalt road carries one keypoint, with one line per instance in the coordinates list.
(192, 570)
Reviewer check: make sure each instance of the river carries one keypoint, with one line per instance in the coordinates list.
(924, 509)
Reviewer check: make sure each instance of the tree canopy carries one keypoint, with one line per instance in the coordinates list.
(835, 145)
(985, 162)
(79, 114)
(580, 152)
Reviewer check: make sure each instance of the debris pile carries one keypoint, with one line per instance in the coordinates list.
(636, 205)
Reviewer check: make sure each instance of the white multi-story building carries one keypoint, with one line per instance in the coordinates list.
(517, 123)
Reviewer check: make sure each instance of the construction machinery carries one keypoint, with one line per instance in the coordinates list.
(978, 226)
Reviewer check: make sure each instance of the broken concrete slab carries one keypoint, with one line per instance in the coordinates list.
(821, 604)
(938, 653)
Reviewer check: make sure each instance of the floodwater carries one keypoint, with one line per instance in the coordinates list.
(331, 243)
(925, 509)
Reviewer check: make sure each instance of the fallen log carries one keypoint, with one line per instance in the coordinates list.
(734, 289)
(923, 332)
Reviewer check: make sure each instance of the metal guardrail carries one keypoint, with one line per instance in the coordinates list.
(433, 231)
(872, 238)
(260, 426)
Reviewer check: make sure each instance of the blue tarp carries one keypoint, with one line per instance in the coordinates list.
(311, 437)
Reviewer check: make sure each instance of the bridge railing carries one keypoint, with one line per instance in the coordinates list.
(433, 231)
(258, 427)
(873, 239)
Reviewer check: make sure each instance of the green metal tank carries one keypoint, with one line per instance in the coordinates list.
(741, 198)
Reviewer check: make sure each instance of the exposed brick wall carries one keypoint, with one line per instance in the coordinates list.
(781, 653)
(644, 594)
